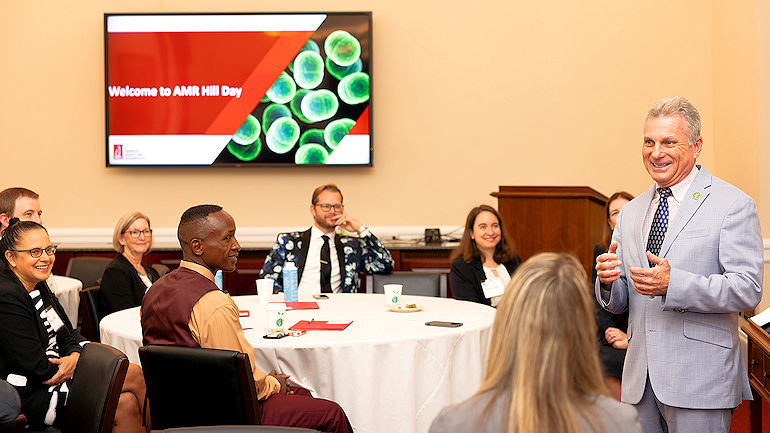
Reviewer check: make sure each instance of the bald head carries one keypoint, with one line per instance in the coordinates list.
(207, 236)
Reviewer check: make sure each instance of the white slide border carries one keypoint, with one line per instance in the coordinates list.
(214, 23)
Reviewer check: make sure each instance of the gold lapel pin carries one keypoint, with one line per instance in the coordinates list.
(696, 195)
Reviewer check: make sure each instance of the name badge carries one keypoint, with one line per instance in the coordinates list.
(53, 319)
(492, 287)
(16, 380)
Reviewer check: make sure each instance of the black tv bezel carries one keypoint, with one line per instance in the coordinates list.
(368, 14)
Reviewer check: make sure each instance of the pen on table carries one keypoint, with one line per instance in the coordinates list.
(311, 320)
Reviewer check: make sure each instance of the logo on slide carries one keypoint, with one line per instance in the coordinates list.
(117, 151)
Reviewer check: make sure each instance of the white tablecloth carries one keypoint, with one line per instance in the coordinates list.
(388, 371)
(67, 291)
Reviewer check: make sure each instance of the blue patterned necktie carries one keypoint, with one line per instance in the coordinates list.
(659, 224)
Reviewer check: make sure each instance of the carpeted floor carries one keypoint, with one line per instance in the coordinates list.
(740, 420)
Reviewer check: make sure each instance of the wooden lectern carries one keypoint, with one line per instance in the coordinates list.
(553, 218)
(759, 371)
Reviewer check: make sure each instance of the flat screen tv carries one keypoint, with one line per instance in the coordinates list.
(238, 89)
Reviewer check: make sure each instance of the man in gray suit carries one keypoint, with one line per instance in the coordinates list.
(685, 259)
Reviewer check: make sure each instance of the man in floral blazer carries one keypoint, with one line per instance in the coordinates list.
(354, 254)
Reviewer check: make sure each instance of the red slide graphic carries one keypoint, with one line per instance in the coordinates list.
(362, 124)
(194, 69)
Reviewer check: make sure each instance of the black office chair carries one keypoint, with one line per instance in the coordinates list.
(10, 405)
(18, 425)
(240, 429)
(161, 268)
(89, 270)
(94, 392)
(92, 299)
(189, 387)
(414, 283)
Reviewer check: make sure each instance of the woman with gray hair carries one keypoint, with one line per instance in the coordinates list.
(126, 278)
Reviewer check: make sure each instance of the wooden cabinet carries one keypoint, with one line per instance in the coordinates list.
(242, 281)
(422, 258)
(759, 371)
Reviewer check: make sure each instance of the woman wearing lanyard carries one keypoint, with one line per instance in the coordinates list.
(39, 349)
(484, 261)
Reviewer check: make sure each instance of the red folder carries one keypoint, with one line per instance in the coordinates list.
(317, 325)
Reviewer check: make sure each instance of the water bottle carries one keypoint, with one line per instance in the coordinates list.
(218, 279)
(290, 282)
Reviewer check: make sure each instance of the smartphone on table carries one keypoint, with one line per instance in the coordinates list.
(444, 324)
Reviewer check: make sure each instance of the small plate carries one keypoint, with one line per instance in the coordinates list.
(403, 309)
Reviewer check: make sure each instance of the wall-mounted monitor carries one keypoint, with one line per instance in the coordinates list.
(263, 89)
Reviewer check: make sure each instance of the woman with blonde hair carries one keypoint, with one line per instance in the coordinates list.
(126, 279)
(543, 372)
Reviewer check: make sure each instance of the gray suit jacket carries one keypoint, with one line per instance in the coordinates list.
(688, 339)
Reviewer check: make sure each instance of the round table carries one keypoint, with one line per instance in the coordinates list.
(388, 371)
(67, 291)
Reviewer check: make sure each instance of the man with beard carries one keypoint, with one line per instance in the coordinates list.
(328, 262)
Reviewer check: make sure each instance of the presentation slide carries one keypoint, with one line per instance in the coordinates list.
(238, 89)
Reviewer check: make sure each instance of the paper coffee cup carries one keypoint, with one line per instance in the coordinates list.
(392, 294)
(265, 290)
(276, 313)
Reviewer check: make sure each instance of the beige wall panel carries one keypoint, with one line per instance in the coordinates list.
(736, 95)
(467, 96)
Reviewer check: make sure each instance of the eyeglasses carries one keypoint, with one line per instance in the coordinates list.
(135, 233)
(327, 207)
(37, 252)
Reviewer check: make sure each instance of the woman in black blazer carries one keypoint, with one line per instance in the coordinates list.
(39, 349)
(611, 328)
(485, 259)
(126, 278)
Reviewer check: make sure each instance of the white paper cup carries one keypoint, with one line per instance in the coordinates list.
(276, 313)
(392, 294)
(265, 290)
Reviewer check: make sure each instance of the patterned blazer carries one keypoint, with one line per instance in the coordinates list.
(355, 255)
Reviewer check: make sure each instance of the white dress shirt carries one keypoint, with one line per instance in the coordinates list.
(146, 280)
(678, 192)
(310, 283)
